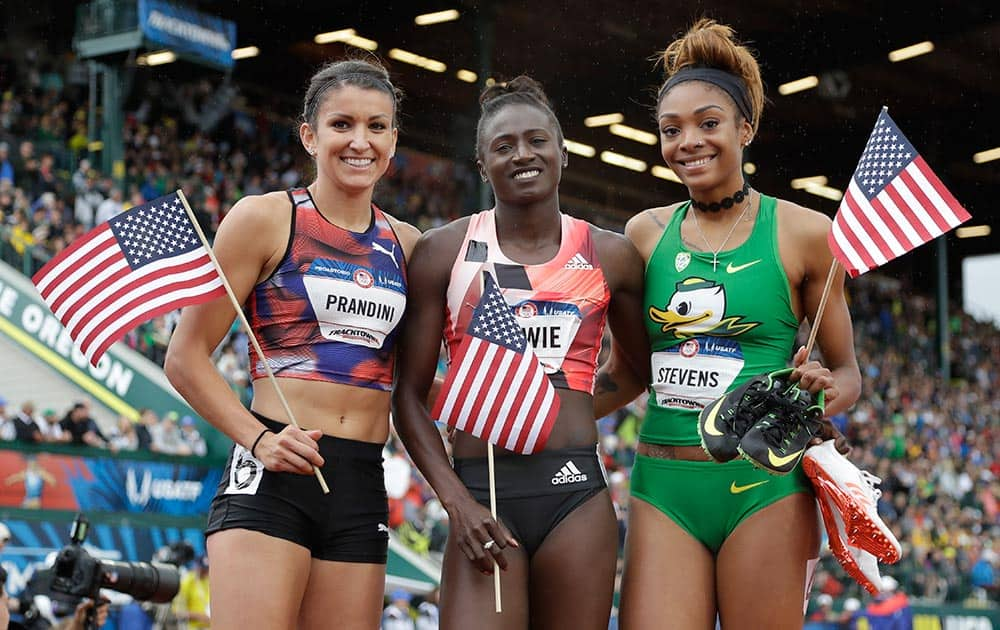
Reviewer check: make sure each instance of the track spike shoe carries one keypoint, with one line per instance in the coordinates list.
(779, 440)
(854, 494)
(724, 421)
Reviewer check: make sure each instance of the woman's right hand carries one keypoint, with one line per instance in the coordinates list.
(472, 527)
(292, 450)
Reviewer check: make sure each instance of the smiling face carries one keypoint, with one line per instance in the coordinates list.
(702, 135)
(521, 154)
(353, 138)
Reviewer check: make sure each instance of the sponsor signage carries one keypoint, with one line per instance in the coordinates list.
(68, 482)
(187, 31)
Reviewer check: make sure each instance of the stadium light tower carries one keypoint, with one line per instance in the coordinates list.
(110, 33)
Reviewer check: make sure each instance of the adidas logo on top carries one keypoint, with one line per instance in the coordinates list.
(569, 473)
(578, 262)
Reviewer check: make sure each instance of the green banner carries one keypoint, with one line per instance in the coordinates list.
(123, 381)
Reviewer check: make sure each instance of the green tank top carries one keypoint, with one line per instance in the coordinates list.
(710, 330)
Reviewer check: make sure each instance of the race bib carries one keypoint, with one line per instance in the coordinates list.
(550, 328)
(355, 304)
(245, 472)
(695, 372)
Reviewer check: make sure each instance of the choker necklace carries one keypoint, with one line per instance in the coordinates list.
(715, 252)
(727, 202)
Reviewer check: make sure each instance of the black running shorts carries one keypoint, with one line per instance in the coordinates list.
(535, 492)
(350, 524)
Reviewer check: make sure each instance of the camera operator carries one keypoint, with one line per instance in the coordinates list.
(79, 619)
(39, 608)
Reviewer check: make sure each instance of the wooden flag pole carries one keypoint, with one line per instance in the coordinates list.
(493, 491)
(253, 339)
(493, 512)
(822, 305)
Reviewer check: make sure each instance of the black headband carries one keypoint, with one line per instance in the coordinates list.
(730, 83)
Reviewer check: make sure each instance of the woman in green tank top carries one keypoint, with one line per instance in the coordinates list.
(729, 276)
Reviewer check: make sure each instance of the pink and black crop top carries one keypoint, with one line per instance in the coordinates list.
(561, 305)
(331, 309)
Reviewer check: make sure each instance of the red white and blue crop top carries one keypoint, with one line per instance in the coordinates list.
(561, 304)
(331, 309)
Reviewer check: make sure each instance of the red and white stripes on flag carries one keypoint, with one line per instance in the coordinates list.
(139, 264)
(495, 388)
(893, 204)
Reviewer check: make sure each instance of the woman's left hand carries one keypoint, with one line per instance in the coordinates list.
(812, 376)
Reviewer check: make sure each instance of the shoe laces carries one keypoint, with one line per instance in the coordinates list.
(790, 417)
(756, 399)
(872, 482)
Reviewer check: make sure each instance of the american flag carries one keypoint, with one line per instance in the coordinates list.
(893, 204)
(141, 263)
(495, 388)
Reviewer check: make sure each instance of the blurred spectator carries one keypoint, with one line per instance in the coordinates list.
(146, 430)
(824, 610)
(167, 436)
(26, 167)
(7, 431)
(983, 574)
(6, 168)
(396, 615)
(124, 437)
(49, 425)
(192, 602)
(192, 438)
(428, 613)
(850, 611)
(110, 207)
(88, 195)
(890, 609)
(81, 428)
(26, 429)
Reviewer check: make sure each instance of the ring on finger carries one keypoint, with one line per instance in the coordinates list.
(489, 544)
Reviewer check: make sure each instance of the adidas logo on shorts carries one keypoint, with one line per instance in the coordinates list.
(569, 473)
(578, 262)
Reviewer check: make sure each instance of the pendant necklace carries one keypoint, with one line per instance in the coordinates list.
(715, 252)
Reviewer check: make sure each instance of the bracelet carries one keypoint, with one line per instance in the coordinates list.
(255, 442)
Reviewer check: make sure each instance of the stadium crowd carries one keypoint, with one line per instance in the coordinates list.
(932, 442)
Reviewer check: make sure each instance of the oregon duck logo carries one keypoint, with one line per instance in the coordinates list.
(698, 306)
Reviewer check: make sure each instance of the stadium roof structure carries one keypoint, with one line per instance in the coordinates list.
(597, 58)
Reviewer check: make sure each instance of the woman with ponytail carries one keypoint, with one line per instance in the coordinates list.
(555, 536)
(730, 274)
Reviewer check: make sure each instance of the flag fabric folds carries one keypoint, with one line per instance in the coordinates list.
(141, 263)
(894, 203)
(495, 388)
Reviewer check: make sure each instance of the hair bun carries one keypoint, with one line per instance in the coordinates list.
(521, 84)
